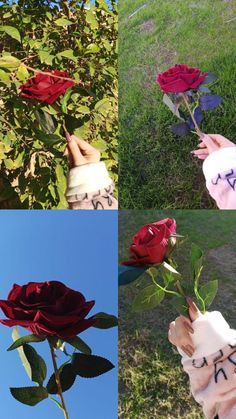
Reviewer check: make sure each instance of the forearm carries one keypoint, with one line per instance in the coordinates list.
(211, 369)
(90, 187)
(220, 172)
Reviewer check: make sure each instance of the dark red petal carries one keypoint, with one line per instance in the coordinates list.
(76, 329)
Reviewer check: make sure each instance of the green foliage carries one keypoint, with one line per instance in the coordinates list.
(105, 321)
(79, 344)
(167, 282)
(29, 395)
(69, 38)
(24, 360)
(208, 292)
(67, 379)
(148, 298)
(89, 366)
(37, 364)
(25, 339)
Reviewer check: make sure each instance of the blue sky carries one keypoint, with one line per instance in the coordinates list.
(78, 248)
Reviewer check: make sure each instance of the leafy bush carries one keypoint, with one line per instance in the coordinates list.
(76, 37)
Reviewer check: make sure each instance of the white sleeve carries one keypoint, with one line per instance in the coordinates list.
(219, 161)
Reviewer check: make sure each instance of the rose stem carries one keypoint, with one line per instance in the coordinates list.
(198, 131)
(179, 288)
(57, 377)
(50, 74)
(67, 134)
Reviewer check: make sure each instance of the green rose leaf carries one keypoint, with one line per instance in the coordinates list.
(48, 139)
(4, 77)
(11, 31)
(67, 378)
(180, 304)
(148, 298)
(26, 365)
(65, 99)
(129, 274)
(89, 366)
(7, 61)
(25, 339)
(63, 22)
(22, 73)
(210, 78)
(46, 121)
(37, 364)
(29, 395)
(91, 19)
(105, 321)
(208, 292)
(196, 261)
(92, 49)
(79, 344)
(171, 105)
(69, 53)
(45, 57)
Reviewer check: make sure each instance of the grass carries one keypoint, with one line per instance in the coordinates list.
(156, 167)
(152, 383)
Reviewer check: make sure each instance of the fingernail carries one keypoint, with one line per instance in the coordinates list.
(192, 304)
(68, 137)
(185, 350)
(190, 350)
(189, 328)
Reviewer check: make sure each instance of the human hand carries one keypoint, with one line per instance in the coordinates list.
(181, 329)
(80, 152)
(210, 143)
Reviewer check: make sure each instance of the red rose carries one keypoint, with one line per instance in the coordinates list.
(180, 78)
(150, 244)
(47, 308)
(46, 88)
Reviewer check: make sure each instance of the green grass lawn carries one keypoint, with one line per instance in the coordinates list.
(152, 383)
(156, 167)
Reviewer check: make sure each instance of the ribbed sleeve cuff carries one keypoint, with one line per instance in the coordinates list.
(211, 333)
(88, 178)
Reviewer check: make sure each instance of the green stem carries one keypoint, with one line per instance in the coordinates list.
(58, 381)
(179, 287)
(159, 286)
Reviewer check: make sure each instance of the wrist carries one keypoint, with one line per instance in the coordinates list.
(211, 333)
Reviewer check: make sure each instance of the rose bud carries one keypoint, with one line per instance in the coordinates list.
(151, 243)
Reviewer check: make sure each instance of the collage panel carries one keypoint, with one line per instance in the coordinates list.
(54, 311)
(177, 330)
(177, 101)
(58, 104)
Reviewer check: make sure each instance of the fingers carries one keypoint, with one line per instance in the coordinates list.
(87, 151)
(179, 334)
(194, 312)
(210, 143)
(83, 145)
(75, 152)
(201, 154)
(221, 140)
(188, 350)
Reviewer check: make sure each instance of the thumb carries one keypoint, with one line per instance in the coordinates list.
(194, 311)
(75, 152)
